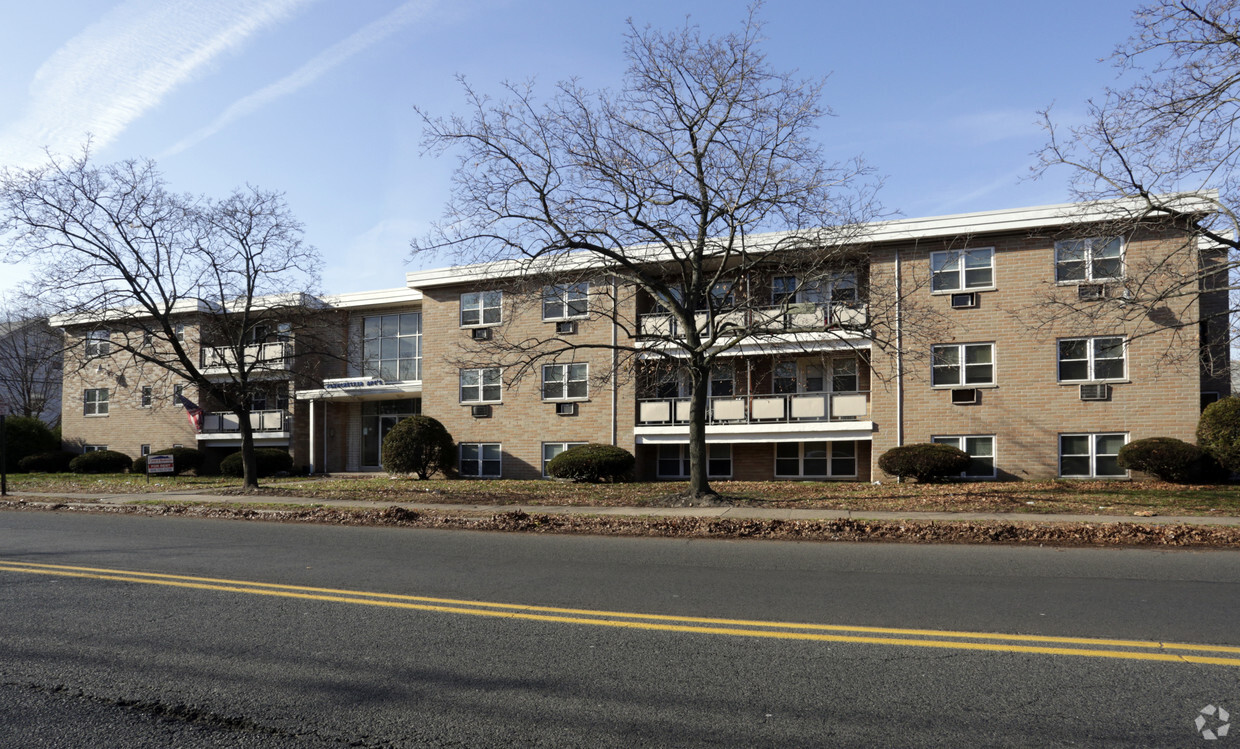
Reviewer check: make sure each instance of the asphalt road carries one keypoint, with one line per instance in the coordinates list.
(127, 631)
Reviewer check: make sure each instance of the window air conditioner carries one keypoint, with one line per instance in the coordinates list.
(1090, 291)
(965, 396)
(480, 412)
(566, 409)
(1095, 392)
(568, 327)
(964, 301)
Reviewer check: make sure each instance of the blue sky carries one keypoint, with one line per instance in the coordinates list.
(315, 97)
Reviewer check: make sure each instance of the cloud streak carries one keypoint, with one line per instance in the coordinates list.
(124, 65)
(308, 73)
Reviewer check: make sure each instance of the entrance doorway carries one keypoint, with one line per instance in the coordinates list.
(378, 418)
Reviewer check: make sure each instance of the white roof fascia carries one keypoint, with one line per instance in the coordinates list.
(378, 298)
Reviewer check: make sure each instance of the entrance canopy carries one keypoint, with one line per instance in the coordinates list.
(360, 389)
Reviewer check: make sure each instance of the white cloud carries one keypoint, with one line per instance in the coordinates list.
(124, 64)
(305, 75)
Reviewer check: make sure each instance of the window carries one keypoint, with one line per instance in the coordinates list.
(565, 301)
(93, 448)
(565, 382)
(673, 461)
(269, 400)
(552, 449)
(481, 385)
(964, 364)
(392, 347)
(815, 459)
(1091, 455)
(722, 380)
(958, 270)
(98, 343)
(95, 402)
(980, 449)
(481, 459)
(146, 397)
(843, 376)
(1089, 259)
(177, 392)
(481, 308)
(784, 378)
(838, 287)
(144, 450)
(179, 330)
(1088, 359)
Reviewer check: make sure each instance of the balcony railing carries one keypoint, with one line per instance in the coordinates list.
(216, 359)
(782, 319)
(759, 408)
(221, 422)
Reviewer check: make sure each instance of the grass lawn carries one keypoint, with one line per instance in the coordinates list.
(1079, 497)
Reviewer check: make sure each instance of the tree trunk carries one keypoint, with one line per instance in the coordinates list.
(699, 485)
(248, 462)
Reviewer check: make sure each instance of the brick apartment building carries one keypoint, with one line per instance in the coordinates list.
(815, 396)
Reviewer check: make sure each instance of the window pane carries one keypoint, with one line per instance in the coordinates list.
(470, 316)
(577, 389)
(1108, 465)
(787, 467)
(815, 467)
(978, 354)
(1103, 269)
(490, 451)
(787, 450)
(1074, 466)
(370, 327)
(1074, 444)
(1110, 248)
(1073, 271)
(469, 452)
(410, 324)
(1073, 349)
(1108, 444)
(1109, 348)
(1109, 369)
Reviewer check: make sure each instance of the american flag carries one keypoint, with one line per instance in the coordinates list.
(192, 411)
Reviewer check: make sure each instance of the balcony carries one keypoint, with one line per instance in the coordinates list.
(789, 318)
(273, 423)
(257, 357)
(768, 409)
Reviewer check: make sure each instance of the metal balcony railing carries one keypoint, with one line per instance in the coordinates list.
(215, 359)
(273, 420)
(782, 319)
(759, 408)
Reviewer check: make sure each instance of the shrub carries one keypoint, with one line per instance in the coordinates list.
(56, 461)
(1218, 432)
(101, 461)
(183, 459)
(1167, 458)
(592, 463)
(418, 445)
(25, 436)
(924, 462)
(268, 461)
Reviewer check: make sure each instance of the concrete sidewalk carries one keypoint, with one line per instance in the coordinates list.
(735, 513)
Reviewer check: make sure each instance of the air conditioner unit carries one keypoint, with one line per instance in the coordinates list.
(481, 334)
(1095, 392)
(965, 396)
(480, 412)
(964, 301)
(1090, 291)
(568, 327)
(566, 409)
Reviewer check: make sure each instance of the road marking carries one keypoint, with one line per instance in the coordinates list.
(1145, 650)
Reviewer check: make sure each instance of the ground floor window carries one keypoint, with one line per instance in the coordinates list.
(815, 459)
(673, 461)
(1091, 455)
(378, 418)
(981, 452)
(481, 459)
(144, 450)
(93, 448)
(552, 449)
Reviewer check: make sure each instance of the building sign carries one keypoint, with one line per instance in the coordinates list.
(160, 464)
(349, 383)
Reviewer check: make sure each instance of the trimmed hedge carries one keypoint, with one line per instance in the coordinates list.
(592, 463)
(924, 462)
(268, 461)
(25, 436)
(183, 459)
(419, 445)
(101, 461)
(56, 461)
(1218, 432)
(1167, 458)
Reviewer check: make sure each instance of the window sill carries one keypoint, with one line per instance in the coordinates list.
(989, 386)
(566, 400)
(95, 416)
(1092, 282)
(481, 403)
(1075, 383)
(566, 319)
(978, 290)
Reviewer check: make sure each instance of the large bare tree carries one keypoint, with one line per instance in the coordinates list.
(188, 289)
(30, 361)
(684, 192)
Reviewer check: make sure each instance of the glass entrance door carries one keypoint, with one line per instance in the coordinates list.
(386, 423)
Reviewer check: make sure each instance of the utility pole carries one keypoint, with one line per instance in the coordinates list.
(4, 459)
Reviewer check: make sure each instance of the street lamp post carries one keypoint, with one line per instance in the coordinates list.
(4, 459)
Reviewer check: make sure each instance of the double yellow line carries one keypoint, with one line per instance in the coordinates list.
(1139, 650)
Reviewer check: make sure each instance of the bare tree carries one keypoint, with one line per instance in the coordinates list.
(195, 290)
(683, 193)
(1163, 151)
(30, 361)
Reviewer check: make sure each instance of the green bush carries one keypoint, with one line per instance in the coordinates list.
(592, 463)
(924, 462)
(1167, 458)
(56, 461)
(268, 461)
(101, 461)
(1218, 432)
(418, 445)
(25, 436)
(183, 459)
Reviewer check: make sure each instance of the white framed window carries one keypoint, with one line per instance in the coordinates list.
(481, 385)
(565, 382)
(481, 459)
(981, 450)
(839, 287)
(144, 450)
(1091, 455)
(179, 331)
(962, 364)
(961, 270)
(552, 449)
(93, 448)
(566, 301)
(1091, 359)
(673, 461)
(98, 343)
(1095, 259)
(815, 459)
(392, 347)
(95, 402)
(146, 397)
(481, 308)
